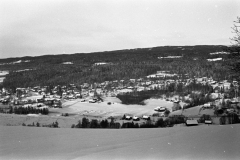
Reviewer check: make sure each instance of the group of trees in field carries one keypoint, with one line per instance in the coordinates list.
(28, 110)
(148, 124)
(168, 122)
(94, 123)
(229, 118)
(198, 98)
(204, 117)
(134, 97)
(52, 125)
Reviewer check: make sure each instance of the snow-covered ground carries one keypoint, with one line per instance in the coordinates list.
(116, 108)
(214, 59)
(1, 79)
(214, 53)
(2, 75)
(194, 111)
(15, 62)
(170, 57)
(198, 142)
(77, 110)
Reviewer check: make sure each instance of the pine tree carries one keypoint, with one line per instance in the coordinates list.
(94, 123)
(85, 122)
(56, 124)
(136, 125)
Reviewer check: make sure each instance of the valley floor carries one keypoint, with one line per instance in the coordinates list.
(77, 110)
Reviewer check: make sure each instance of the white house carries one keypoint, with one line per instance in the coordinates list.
(145, 117)
(226, 85)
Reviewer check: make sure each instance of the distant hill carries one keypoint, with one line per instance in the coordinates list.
(112, 65)
(204, 50)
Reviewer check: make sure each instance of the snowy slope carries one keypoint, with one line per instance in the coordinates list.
(199, 142)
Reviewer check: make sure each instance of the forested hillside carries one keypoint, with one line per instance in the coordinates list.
(120, 64)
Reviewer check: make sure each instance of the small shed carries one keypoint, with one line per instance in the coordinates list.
(191, 122)
(160, 109)
(208, 121)
(207, 105)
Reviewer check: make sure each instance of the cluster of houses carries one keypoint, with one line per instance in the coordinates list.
(160, 80)
(112, 88)
(92, 92)
(135, 118)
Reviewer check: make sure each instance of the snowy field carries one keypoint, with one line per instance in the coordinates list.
(194, 111)
(199, 142)
(3, 73)
(116, 108)
(77, 110)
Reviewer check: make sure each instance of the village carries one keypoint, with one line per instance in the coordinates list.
(46, 99)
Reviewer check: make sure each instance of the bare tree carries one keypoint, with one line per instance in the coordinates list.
(233, 61)
(236, 30)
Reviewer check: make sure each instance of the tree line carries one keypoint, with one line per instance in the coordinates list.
(28, 110)
(94, 123)
(199, 94)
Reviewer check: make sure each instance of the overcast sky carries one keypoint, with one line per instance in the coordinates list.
(39, 27)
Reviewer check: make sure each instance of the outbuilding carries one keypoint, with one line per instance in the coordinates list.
(208, 122)
(191, 122)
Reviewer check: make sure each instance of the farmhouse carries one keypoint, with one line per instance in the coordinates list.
(128, 117)
(135, 118)
(226, 85)
(145, 117)
(207, 105)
